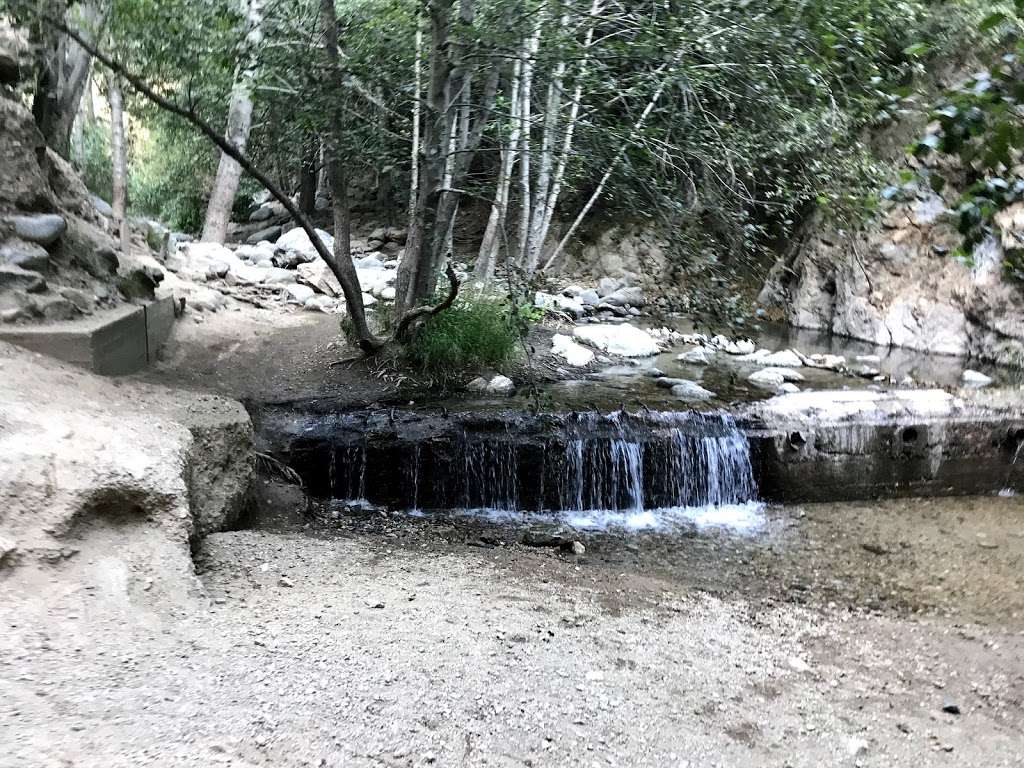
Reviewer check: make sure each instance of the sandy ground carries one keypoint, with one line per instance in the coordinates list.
(833, 637)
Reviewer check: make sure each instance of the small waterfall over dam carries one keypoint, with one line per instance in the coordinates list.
(512, 461)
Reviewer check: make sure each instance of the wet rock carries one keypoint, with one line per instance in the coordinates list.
(786, 358)
(501, 385)
(101, 263)
(14, 277)
(23, 254)
(624, 340)
(667, 382)
(547, 536)
(975, 379)
(692, 391)
(42, 228)
(828, 362)
(547, 301)
(574, 354)
(269, 234)
(697, 356)
(773, 378)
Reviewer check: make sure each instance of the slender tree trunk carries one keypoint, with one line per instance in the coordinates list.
(308, 173)
(229, 172)
(342, 265)
(526, 117)
(119, 156)
(417, 78)
(570, 128)
(487, 258)
(637, 127)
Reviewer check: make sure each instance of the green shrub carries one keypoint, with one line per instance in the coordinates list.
(171, 171)
(94, 163)
(474, 333)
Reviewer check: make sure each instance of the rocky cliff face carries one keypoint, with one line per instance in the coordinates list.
(57, 255)
(895, 283)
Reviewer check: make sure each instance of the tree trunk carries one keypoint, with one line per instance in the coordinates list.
(417, 78)
(341, 264)
(119, 157)
(525, 116)
(487, 258)
(308, 175)
(229, 172)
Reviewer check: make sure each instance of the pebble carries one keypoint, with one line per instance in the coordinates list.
(284, 581)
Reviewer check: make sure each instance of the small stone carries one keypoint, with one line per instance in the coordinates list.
(479, 384)
(284, 581)
(797, 664)
(950, 707)
(856, 747)
(576, 548)
(16, 277)
(692, 391)
(297, 294)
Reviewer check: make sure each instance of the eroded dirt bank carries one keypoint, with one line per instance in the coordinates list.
(836, 637)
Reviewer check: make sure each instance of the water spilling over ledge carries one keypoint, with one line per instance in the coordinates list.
(627, 468)
(513, 461)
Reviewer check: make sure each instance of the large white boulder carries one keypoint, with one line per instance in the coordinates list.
(624, 340)
(785, 358)
(297, 240)
(697, 356)
(574, 354)
(318, 276)
(567, 304)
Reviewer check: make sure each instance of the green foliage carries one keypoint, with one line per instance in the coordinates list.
(94, 163)
(981, 122)
(477, 332)
(171, 168)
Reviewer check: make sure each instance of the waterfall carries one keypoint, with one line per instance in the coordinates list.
(563, 465)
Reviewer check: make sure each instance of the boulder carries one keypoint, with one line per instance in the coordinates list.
(278, 276)
(255, 252)
(574, 354)
(14, 277)
(297, 294)
(501, 385)
(697, 356)
(206, 300)
(550, 302)
(244, 274)
(321, 304)
(270, 234)
(318, 276)
(42, 228)
(691, 391)
(621, 297)
(55, 307)
(23, 254)
(139, 283)
(773, 378)
(101, 262)
(83, 301)
(786, 358)
(143, 472)
(102, 206)
(624, 340)
(975, 379)
(297, 240)
(589, 297)
(608, 285)
(264, 212)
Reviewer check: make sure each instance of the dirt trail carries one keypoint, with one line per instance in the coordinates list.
(410, 644)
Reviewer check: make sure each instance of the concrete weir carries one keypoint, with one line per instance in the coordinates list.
(856, 445)
(812, 446)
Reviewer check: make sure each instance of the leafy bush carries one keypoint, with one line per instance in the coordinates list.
(171, 171)
(94, 162)
(476, 332)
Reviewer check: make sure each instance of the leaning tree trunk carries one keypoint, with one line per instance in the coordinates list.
(119, 157)
(229, 172)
